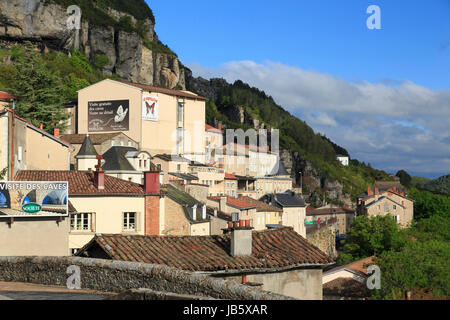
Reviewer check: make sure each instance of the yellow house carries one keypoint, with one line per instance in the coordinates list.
(33, 148)
(162, 121)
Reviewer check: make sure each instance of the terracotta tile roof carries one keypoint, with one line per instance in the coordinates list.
(82, 182)
(344, 287)
(236, 202)
(278, 248)
(96, 138)
(171, 92)
(357, 266)
(261, 206)
(229, 176)
(5, 96)
(211, 128)
(326, 211)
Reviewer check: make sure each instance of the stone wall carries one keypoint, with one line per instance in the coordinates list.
(120, 276)
(323, 237)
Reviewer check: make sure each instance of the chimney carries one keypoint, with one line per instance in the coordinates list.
(41, 126)
(376, 190)
(152, 203)
(99, 175)
(56, 132)
(369, 191)
(151, 182)
(223, 204)
(241, 239)
(220, 125)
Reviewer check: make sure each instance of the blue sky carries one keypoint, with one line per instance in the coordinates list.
(317, 58)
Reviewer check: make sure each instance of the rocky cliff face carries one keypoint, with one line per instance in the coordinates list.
(45, 24)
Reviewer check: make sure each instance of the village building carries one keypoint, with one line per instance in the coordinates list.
(211, 176)
(266, 214)
(347, 282)
(161, 121)
(100, 141)
(183, 214)
(343, 159)
(230, 185)
(294, 209)
(344, 216)
(383, 202)
(242, 209)
(27, 147)
(213, 144)
(6, 98)
(279, 261)
(278, 181)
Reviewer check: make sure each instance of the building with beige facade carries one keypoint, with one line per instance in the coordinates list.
(391, 201)
(294, 209)
(344, 216)
(161, 121)
(27, 147)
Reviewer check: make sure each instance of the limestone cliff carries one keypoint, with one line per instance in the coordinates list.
(133, 56)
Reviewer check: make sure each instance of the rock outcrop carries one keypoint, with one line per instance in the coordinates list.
(45, 23)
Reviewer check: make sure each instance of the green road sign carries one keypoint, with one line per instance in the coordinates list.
(31, 208)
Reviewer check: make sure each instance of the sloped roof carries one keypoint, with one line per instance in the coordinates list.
(260, 205)
(236, 202)
(229, 176)
(171, 92)
(356, 266)
(82, 182)
(310, 211)
(5, 96)
(87, 149)
(212, 129)
(96, 138)
(174, 157)
(286, 199)
(272, 249)
(184, 176)
(115, 159)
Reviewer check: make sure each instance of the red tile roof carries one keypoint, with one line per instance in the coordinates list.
(230, 176)
(310, 211)
(260, 205)
(211, 128)
(358, 266)
(5, 96)
(171, 92)
(279, 248)
(82, 182)
(236, 202)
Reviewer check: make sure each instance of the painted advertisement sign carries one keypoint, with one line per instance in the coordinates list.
(150, 108)
(33, 198)
(111, 115)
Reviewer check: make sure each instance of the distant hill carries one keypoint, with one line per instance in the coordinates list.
(439, 185)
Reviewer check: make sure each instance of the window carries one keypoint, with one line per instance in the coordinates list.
(178, 167)
(140, 163)
(394, 207)
(81, 222)
(129, 221)
(145, 163)
(158, 166)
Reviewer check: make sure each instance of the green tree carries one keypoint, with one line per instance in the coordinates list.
(370, 236)
(405, 178)
(40, 90)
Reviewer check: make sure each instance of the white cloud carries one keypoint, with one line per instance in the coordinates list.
(388, 124)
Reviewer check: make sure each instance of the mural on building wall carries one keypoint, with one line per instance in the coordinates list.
(33, 198)
(150, 108)
(108, 115)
